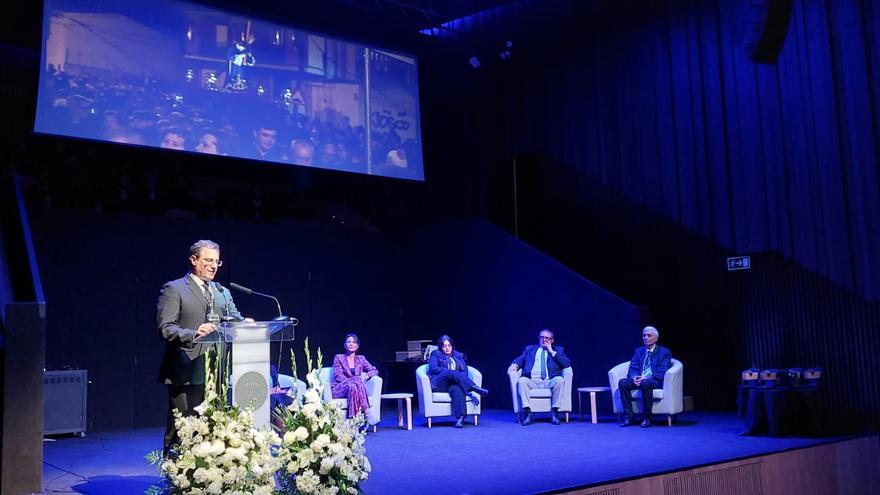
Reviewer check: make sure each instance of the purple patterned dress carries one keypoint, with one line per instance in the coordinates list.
(348, 384)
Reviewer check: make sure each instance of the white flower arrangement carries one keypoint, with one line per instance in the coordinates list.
(220, 451)
(322, 452)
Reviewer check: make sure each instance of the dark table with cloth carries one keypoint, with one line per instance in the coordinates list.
(780, 410)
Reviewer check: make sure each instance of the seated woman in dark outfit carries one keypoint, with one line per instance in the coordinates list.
(448, 372)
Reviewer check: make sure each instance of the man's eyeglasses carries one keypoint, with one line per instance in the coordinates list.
(209, 261)
(545, 337)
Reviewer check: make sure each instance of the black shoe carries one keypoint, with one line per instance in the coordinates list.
(646, 422)
(527, 420)
(554, 419)
(459, 423)
(480, 390)
(627, 421)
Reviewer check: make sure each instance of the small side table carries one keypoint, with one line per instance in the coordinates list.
(401, 399)
(592, 391)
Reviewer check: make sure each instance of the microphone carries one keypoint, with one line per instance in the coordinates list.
(240, 288)
(226, 317)
(280, 317)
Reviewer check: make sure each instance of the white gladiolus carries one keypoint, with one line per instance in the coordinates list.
(312, 396)
(309, 410)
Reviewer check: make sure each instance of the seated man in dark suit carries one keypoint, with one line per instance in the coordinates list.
(542, 366)
(646, 371)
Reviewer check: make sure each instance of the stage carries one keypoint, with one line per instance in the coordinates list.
(496, 457)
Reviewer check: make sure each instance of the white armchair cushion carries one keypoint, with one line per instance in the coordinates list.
(445, 397)
(297, 387)
(432, 404)
(544, 395)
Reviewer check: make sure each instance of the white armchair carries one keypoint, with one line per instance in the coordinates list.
(668, 400)
(541, 398)
(374, 393)
(432, 404)
(296, 386)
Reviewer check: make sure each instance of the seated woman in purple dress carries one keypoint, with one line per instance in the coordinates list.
(448, 372)
(350, 372)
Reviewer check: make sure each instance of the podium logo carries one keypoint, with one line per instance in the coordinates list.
(251, 389)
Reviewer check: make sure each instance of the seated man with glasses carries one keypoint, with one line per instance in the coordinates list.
(542, 366)
(189, 308)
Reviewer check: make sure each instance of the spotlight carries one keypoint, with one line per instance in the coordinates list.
(474, 61)
(505, 53)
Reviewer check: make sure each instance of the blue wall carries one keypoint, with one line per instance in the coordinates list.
(493, 294)
(659, 101)
(103, 272)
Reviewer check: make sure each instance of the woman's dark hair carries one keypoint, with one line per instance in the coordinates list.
(442, 339)
(352, 335)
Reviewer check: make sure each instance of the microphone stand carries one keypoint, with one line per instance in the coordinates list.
(280, 317)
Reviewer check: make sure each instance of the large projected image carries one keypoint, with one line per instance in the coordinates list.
(185, 77)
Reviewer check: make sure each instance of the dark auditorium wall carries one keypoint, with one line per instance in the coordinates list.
(659, 101)
(492, 294)
(778, 314)
(794, 318)
(668, 149)
(102, 275)
(665, 150)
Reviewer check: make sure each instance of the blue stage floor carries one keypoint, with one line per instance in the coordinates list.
(496, 457)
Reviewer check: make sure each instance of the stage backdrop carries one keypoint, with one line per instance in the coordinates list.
(492, 294)
(102, 274)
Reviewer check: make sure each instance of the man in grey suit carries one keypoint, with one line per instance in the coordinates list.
(190, 308)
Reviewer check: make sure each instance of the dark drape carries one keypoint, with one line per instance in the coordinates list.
(659, 100)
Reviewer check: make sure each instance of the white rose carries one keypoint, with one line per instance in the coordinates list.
(215, 487)
(234, 441)
(326, 465)
(217, 447)
(289, 438)
(301, 434)
(200, 475)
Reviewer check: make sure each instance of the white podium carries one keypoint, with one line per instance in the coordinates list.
(250, 380)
